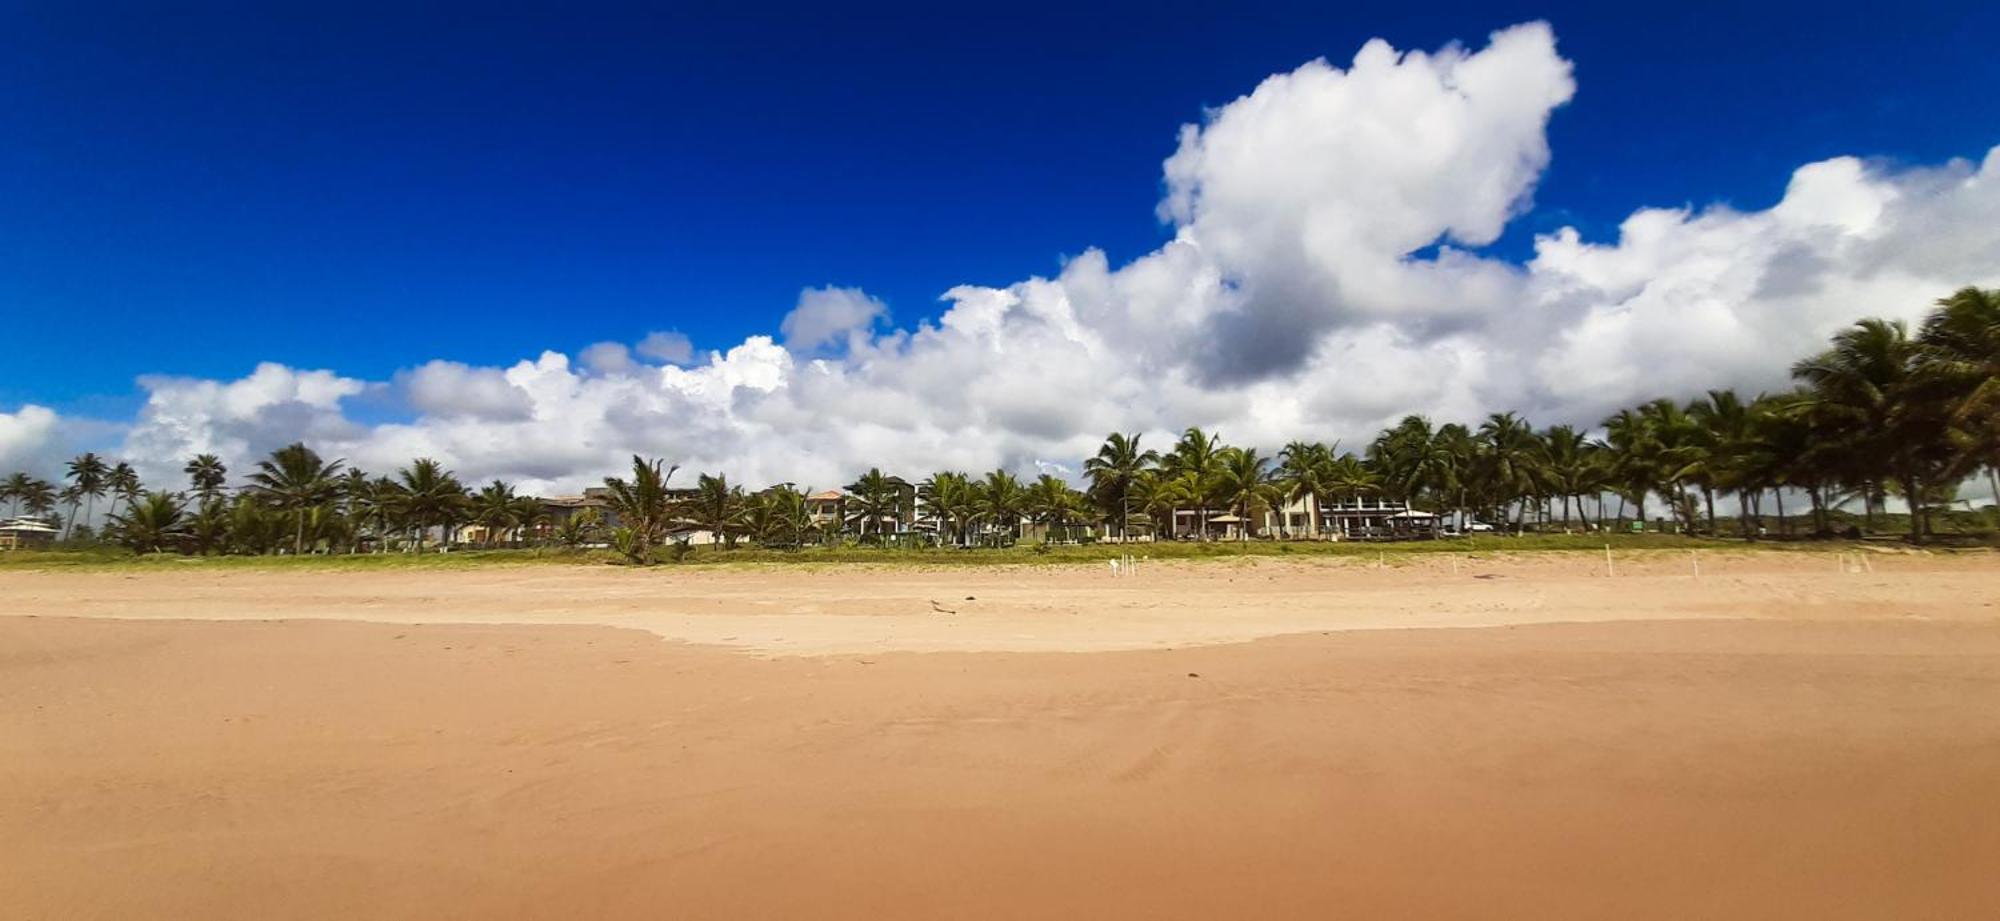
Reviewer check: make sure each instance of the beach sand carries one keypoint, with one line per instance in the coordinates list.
(1778, 738)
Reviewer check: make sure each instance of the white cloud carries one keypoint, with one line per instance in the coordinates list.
(1291, 302)
(607, 357)
(30, 440)
(451, 389)
(669, 346)
(830, 316)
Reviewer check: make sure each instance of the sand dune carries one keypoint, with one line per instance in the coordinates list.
(1775, 740)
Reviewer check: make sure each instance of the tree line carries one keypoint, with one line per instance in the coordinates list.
(1884, 411)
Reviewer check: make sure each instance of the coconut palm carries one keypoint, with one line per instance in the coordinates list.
(294, 479)
(1508, 462)
(645, 508)
(1002, 502)
(1117, 466)
(208, 527)
(150, 524)
(1569, 465)
(88, 476)
(1195, 462)
(873, 498)
(1871, 385)
(1305, 471)
(1961, 339)
(531, 519)
(1412, 461)
(207, 475)
(15, 491)
(777, 516)
(123, 482)
(1055, 503)
(1727, 454)
(953, 499)
(1244, 486)
(717, 508)
(254, 528)
(31, 494)
(493, 507)
(578, 529)
(424, 496)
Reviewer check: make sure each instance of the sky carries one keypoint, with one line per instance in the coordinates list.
(795, 243)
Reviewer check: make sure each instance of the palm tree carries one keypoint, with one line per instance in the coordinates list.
(15, 491)
(426, 496)
(1195, 461)
(953, 499)
(1411, 461)
(1054, 503)
(531, 519)
(208, 528)
(35, 496)
(1508, 461)
(1568, 463)
(1871, 386)
(1961, 339)
(152, 525)
(717, 508)
(1118, 464)
(645, 508)
(1002, 502)
(576, 530)
(1728, 454)
(875, 496)
(1305, 469)
(207, 475)
(776, 516)
(123, 482)
(1244, 486)
(294, 478)
(493, 507)
(88, 476)
(1635, 459)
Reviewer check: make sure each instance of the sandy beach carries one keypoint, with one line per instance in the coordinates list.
(1427, 737)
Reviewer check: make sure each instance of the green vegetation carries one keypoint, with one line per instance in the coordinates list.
(107, 557)
(1883, 412)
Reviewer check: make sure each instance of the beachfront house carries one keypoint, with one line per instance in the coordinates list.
(26, 534)
(827, 509)
(1351, 518)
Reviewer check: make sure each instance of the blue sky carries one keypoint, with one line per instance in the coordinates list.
(367, 188)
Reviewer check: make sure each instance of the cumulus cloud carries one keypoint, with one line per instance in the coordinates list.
(830, 316)
(607, 357)
(669, 346)
(1323, 277)
(29, 439)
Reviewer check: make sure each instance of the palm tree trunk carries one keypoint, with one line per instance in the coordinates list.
(1913, 491)
(1709, 494)
(299, 534)
(1743, 515)
(1784, 527)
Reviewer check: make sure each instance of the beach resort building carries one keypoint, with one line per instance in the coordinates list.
(1350, 518)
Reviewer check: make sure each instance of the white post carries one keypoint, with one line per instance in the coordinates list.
(1609, 569)
(1695, 558)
